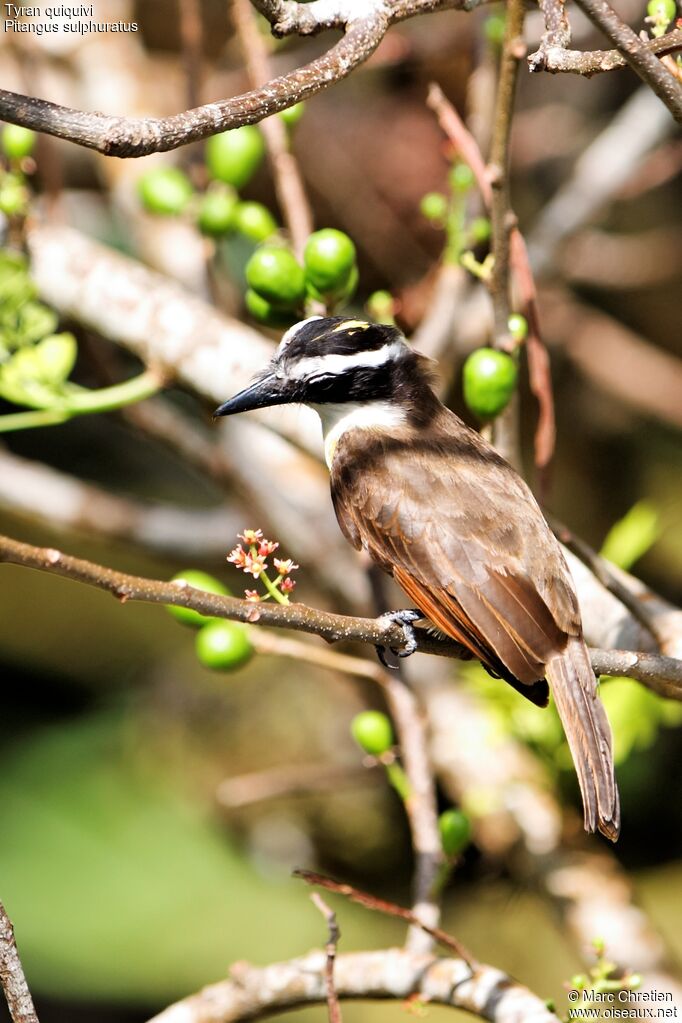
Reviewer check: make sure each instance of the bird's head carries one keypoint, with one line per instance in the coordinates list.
(329, 360)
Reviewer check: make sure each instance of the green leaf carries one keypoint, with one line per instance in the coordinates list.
(21, 380)
(34, 322)
(633, 535)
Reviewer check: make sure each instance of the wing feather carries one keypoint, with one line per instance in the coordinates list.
(459, 549)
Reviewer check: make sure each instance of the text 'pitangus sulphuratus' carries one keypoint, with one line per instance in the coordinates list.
(439, 510)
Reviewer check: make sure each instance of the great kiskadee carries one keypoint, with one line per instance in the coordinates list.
(439, 510)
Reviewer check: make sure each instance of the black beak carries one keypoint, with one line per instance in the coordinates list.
(262, 393)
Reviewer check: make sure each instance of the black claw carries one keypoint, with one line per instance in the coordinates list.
(405, 620)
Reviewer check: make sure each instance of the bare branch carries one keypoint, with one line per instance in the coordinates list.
(640, 58)
(553, 57)
(12, 977)
(365, 26)
(557, 34)
(648, 669)
(391, 974)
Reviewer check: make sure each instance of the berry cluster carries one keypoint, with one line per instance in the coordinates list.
(279, 285)
(220, 644)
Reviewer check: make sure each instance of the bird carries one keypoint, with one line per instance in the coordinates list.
(438, 509)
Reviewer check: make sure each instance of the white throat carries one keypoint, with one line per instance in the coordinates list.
(369, 415)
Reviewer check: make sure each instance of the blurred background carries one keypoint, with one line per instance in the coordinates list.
(133, 865)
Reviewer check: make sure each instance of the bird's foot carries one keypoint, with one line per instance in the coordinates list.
(405, 619)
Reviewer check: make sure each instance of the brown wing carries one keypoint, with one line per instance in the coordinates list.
(463, 536)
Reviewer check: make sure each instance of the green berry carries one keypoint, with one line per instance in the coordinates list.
(17, 142)
(235, 156)
(489, 379)
(479, 230)
(165, 190)
(373, 732)
(265, 312)
(276, 275)
(200, 581)
(455, 831)
(494, 27)
(381, 307)
(518, 327)
(329, 258)
(14, 196)
(662, 10)
(292, 115)
(223, 645)
(217, 209)
(254, 221)
(461, 177)
(434, 206)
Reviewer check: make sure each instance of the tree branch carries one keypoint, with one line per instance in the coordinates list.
(12, 977)
(650, 669)
(254, 993)
(640, 58)
(555, 58)
(137, 136)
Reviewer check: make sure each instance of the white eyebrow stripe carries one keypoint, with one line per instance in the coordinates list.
(336, 363)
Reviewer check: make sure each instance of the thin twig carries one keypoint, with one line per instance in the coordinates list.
(642, 61)
(333, 1007)
(321, 657)
(538, 362)
(389, 909)
(12, 977)
(332, 627)
(289, 186)
(505, 428)
(421, 806)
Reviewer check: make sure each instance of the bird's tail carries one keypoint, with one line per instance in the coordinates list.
(574, 688)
